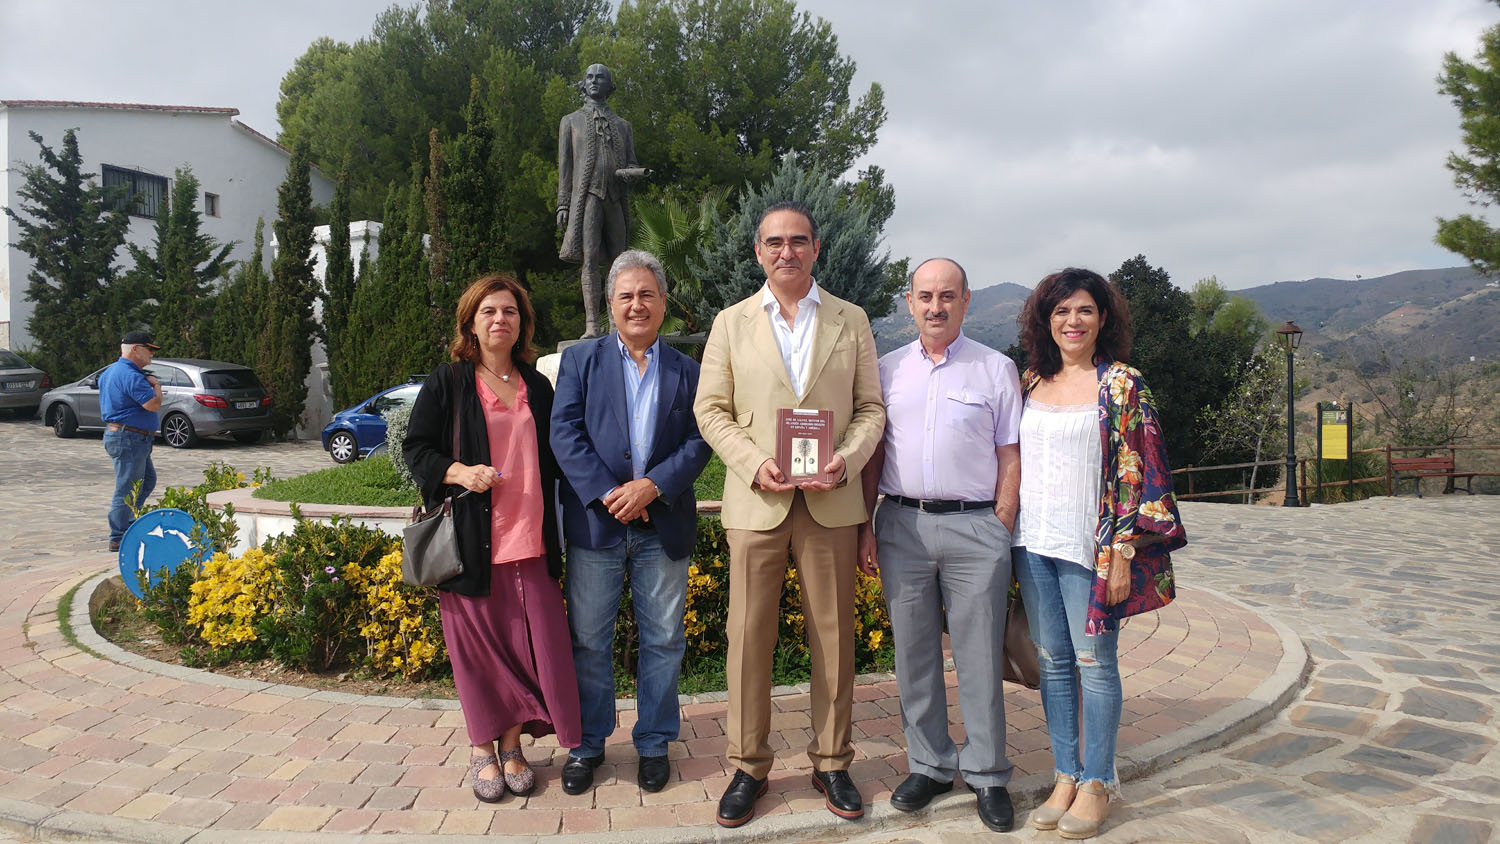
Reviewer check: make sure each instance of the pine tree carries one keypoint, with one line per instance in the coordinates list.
(71, 227)
(285, 353)
(180, 273)
(338, 289)
(848, 264)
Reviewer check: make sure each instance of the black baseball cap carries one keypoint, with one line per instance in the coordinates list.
(139, 338)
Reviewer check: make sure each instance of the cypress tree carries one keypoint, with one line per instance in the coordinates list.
(285, 353)
(71, 227)
(338, 289)
(414, 306)
(239, 307)
(181, 271)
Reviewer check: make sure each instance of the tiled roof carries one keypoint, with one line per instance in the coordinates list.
(126, 106)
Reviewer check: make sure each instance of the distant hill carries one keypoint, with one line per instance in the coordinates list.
(1451, 313)
(991, 319)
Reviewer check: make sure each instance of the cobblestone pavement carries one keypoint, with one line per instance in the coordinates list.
(1394, 737)
(56, 492)
(1391, 741)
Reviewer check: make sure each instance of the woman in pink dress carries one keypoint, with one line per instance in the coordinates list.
(503, 619)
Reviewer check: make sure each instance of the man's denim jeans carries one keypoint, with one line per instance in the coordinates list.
(1056, 595)
(131, 453)
(658, 588)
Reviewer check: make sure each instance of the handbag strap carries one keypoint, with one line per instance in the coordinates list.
(457, 412)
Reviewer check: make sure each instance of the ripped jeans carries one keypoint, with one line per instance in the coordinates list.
(1056, 595)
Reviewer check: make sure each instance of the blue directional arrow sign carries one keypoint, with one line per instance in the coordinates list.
(158, 541)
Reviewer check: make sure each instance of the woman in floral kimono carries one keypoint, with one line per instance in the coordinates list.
(1096, 523)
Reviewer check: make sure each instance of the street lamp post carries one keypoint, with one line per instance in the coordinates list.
(1291, 336)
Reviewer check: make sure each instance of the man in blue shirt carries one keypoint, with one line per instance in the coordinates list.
(628, 445)
(128, 401)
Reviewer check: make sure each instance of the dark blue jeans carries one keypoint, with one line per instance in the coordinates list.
(658, 589)
(131, 453)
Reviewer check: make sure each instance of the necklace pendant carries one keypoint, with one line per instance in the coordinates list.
(505, 378)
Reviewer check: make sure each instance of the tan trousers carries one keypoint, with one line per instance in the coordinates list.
(825, 560)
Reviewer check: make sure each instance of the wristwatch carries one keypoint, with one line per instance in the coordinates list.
(1126, 550)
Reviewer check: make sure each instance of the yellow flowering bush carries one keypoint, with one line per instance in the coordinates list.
(230, 598)
(399, 623)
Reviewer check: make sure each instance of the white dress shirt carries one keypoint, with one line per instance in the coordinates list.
(795, 341)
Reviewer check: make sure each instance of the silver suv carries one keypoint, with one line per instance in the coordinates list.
(199, 398)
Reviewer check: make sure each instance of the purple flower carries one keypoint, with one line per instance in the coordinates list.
(328, 569)
(335, 580)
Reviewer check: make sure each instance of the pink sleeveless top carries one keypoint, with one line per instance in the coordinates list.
(516, 502)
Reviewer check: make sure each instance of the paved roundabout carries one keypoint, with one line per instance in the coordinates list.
(1386, 605)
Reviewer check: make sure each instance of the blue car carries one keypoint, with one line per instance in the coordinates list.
(355, 432)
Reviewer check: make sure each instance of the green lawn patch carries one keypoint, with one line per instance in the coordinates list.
(365, 483)
(710, 484)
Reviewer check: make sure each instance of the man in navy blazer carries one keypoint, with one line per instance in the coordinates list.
(627, 442)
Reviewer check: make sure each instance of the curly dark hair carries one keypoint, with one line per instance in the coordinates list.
(465, 345)
(1036, 319)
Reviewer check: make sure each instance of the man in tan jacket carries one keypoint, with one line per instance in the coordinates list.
(792, 345)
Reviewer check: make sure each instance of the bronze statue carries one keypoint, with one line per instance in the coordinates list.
(595, 159)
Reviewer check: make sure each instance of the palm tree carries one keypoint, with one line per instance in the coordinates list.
(673, 232)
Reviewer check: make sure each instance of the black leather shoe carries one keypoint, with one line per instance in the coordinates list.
(114, 545)
(737, 806)
(839, 794)
(994, 807)
(917, 792)
(653, 772)
(578, 773)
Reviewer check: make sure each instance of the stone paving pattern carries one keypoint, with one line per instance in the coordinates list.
(1392, 740)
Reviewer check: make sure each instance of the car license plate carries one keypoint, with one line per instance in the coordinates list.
(17, 386)
(246, 405)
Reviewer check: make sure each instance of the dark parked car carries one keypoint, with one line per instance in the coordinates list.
(21, 384)
(199, 398)
(354, 432)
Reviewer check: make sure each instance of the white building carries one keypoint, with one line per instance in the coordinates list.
(238, 170)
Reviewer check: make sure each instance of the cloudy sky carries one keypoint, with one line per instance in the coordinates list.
(1255, 141)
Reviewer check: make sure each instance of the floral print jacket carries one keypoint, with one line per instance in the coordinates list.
(1135, 497)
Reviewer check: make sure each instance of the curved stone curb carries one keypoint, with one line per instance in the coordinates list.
(1269, 698)
(83, 629)
(1216, 729)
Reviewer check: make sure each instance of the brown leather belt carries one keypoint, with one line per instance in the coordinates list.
(115, 426)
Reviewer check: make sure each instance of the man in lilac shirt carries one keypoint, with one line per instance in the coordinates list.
(950, 469)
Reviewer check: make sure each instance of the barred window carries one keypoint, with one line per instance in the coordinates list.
(147, 190)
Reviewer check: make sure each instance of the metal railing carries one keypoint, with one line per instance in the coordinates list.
(1307, 489)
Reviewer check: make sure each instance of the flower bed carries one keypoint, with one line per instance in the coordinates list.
(325, 593)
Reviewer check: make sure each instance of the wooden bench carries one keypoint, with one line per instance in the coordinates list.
(1414, 469)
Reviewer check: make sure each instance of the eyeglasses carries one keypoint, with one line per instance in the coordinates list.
(798, 243)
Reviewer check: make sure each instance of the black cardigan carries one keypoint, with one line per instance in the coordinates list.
(428, 449)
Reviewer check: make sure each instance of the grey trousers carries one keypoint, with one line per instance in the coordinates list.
(961, 562)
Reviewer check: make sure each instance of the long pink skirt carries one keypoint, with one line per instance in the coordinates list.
(512, 656)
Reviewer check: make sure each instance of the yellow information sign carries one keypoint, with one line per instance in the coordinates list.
(1333, 427)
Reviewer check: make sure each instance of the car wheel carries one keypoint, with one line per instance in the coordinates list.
(63, 422)
(342, 447)
(178, 431)
(247, 437)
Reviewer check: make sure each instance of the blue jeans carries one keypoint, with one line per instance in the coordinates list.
(131, 453)
(658, 588)
(1056, 595)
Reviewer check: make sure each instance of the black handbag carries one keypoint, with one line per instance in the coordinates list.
(429, 553)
